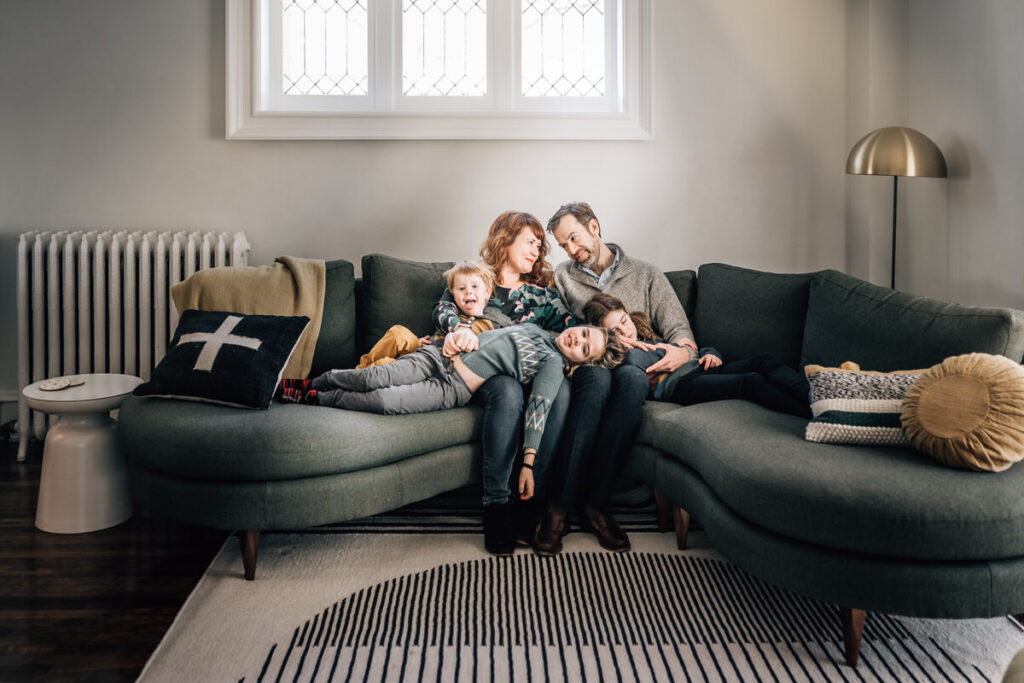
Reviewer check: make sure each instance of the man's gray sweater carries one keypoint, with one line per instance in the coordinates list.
(638, 284)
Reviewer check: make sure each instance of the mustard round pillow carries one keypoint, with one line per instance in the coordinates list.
(968, 412)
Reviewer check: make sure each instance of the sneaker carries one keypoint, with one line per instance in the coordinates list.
(548, 539)
(289, 395)
(286, 385)
(498, 539)
(609, 534)
(296, 395)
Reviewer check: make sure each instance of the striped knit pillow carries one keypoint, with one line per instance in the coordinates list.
(855, 406)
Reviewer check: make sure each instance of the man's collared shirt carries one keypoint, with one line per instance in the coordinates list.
(606, 276)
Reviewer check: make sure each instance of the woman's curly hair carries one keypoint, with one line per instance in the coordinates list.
(504, 231)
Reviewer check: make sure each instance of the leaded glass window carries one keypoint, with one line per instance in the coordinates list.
(324, 47)
(563, 48)
(440, 69)
(444, 48)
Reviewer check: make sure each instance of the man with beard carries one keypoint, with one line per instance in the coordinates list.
(606, 406)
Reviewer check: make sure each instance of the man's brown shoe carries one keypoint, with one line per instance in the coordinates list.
(609, 534)
(548, 540)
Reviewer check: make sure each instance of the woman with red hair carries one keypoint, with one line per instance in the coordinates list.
(516, 251)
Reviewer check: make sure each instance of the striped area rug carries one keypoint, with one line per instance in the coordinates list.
(394, 600)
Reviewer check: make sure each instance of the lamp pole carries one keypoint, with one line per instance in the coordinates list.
(892, 264)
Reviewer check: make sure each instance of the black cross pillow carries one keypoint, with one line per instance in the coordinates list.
(226, 358)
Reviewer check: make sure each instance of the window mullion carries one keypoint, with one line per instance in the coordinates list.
(612, 47)
(385, 58)
(503, 53)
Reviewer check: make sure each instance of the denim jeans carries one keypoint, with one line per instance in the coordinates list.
(763, 379)
(604, 414)
(502, 398)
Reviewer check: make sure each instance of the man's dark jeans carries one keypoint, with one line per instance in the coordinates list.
(603, 417)
(502, 398)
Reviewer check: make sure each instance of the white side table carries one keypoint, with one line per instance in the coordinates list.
(84, 482)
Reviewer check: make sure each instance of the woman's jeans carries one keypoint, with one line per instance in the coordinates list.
(763, 379)
(502, 398)
(603, 417)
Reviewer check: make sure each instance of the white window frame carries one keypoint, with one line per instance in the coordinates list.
(385, 114)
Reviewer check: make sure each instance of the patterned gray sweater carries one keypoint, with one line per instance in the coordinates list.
(638, 284)
(529, 354)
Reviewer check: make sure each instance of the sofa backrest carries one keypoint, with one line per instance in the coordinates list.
(849, 319)
(398, 292)
(824, 318)
(336, 346)
(684, 282)
(743, 312)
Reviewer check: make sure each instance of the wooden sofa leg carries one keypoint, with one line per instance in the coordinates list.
(249, 539)
(664, 512)
(681, 518)
(853, 628)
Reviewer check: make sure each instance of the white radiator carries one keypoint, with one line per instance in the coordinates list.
(100, 302)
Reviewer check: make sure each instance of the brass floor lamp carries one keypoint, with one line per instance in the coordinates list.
(896, 151)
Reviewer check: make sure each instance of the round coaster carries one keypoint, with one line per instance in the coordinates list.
(75, 381)
(55, 384)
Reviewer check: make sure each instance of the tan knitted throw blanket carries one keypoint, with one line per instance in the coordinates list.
(291, 286)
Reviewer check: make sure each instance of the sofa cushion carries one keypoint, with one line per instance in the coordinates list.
(397, 292)
(744, 312)
(883, 329)
(968, 412)
(211, 442)
(893, 502)
(224, 357)
(336, 345)
(684, 282)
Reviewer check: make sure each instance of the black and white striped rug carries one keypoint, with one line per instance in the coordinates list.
(408, 604)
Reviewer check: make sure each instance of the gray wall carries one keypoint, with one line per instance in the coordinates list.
(965, 87)
(112, 116)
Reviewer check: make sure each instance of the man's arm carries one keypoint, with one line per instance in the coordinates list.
(666, 312)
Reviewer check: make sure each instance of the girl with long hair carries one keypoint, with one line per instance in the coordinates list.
(763, 378)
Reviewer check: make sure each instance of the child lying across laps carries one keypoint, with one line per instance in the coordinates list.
(763, 379)
(470, 286)
(433, 378)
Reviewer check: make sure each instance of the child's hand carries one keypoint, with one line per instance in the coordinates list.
(709, 360)
(637, 344)
(525, 483)
(425, 340)
(462, 339)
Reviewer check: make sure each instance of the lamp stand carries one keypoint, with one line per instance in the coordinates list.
(892, 264)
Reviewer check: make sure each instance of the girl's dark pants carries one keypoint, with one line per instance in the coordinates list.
(763, 379)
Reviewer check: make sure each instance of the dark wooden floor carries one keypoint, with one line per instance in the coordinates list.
(87, 607)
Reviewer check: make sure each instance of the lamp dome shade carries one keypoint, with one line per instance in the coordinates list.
(896, 151)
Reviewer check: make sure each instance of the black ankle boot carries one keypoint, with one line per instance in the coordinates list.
(524, 521)
(498, 537)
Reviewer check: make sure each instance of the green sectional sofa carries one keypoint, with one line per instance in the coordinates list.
(867, 528)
